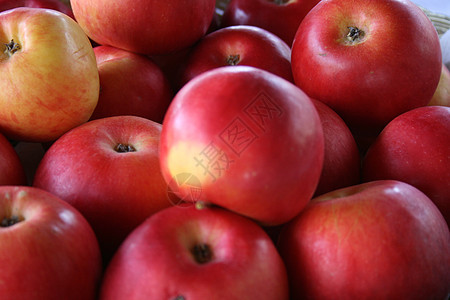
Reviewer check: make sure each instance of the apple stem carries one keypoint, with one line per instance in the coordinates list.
(233, 59)
(12, 47)
(8, 222)
(354, 34)
(121, 148)
(202, 253)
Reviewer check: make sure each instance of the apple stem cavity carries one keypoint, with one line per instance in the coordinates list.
(122, 148)
(233, 59)
(280, 2)
(354, 35)
(202, 253)
(12, 47)
(201, 205)
(10, 221)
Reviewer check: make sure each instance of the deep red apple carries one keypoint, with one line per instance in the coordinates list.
(12, 171)
(378, 240)
(415, 148)
(130, 84)
(187, 253)
(281, 17)
(109, 170)
(145, 26)
(342, 160)
(239, 45)
(47, 249)
(51, 4)
(368, 60)
(244, 139)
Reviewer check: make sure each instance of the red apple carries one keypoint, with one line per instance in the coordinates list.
(173, 63)
(378, 240)
(187, 253)
(49, 78)
(145, 26)
(244, 139)
(109, 170)
(342, 160)
(368, 60)
(12, 171)
(130, 84)
(442, 94)
(239, 45)
(51, 4)
(415, 148)
(281, 17)
(47, 249)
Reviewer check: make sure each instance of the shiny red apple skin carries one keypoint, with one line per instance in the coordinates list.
(249, 140)
(51, 4)
(378, 240)
(156, 261)
(282, 19)
(442, 94)
(172, 63)
(52, 253)
(151, 27)
(115, 190)
(415, 148)
(239, 45)
(373, 79)
(342, 159)
(130, 84)
(50, 82)
(12, 171)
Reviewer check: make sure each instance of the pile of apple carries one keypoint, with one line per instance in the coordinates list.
(273, 150)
